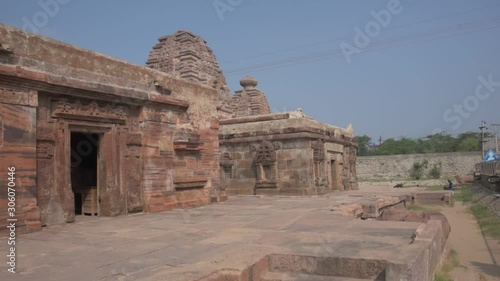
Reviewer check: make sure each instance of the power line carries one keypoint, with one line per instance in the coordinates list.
(440, 33)
(350, 37)
(337, 51)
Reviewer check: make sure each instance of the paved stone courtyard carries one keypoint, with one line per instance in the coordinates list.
(192, 244)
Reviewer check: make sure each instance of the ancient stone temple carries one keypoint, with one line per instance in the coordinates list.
(89, 134)
(282, 153)
(260, 152)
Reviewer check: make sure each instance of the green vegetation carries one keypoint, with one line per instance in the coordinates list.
(422, 208)
(436, 170)
(418, 168)
(463, 194)
(488, 223)
(448, 265)
(442, 142)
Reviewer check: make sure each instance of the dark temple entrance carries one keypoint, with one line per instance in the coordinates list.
(84, 167)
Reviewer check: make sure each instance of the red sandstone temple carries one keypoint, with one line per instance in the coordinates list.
(92, 135)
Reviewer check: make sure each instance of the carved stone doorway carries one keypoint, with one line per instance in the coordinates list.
(84, 172)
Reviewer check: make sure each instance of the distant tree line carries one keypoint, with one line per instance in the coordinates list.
(437, 143)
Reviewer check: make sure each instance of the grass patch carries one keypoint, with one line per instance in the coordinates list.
(464, 194)
(422, 208)
(489, 224)
(451, 262)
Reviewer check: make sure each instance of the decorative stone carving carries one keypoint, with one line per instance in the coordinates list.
(265, 153)
(63, 108)
(226, 160)
(277, 145)
(322, 181)
(265, 162)
(318, 151)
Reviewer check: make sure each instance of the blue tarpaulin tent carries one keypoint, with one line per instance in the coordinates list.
(490, 156)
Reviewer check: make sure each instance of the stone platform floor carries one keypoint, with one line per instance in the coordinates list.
(191, 244)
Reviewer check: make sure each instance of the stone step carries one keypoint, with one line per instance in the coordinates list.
(284, 276)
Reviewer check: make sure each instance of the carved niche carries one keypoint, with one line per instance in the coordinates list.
(320, 177)
(265, 153)
(226, 162)
(318, 151)
(265, 162)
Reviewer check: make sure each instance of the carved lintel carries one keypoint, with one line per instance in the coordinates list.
(93, 111)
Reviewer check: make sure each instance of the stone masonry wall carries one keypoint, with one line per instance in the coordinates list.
(399, 166)
(293, 167)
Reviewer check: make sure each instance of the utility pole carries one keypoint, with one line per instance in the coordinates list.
(482, 128)
(496, 136)
(380, 141)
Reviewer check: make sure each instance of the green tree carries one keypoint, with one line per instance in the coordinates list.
(469, 141)
(363, 144)
(418, 168)
(437, 143)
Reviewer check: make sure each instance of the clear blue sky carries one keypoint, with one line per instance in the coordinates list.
(405, 82)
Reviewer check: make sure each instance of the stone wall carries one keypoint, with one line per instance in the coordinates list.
(286, 153)
(399, 166)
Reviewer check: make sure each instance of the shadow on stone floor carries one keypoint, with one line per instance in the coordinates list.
(490, 269)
